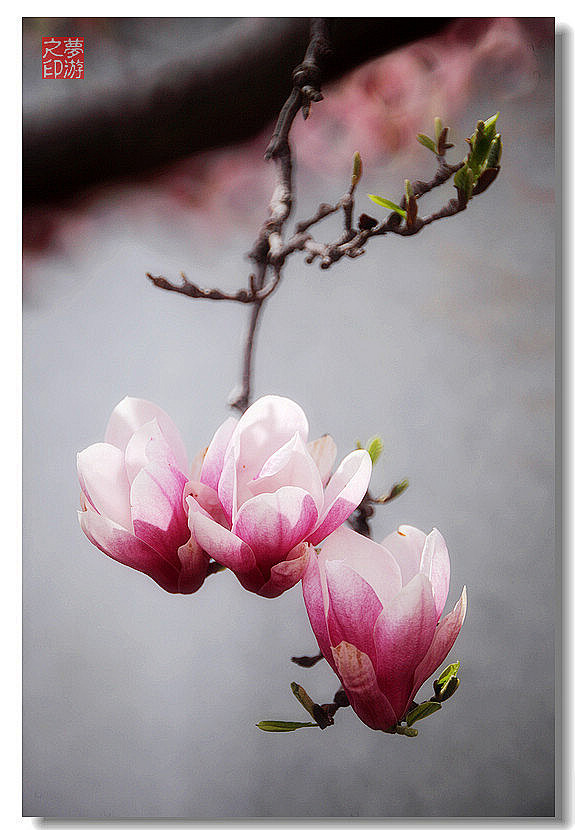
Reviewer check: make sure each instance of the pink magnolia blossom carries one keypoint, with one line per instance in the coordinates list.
(375, 611)
(264, 496)
(133, 487)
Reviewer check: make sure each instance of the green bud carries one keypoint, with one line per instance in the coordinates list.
(424, 710)
(357, 169)
(303, 698)
(398, 488)
(438, 129)
(480, 144)
(408, 190)
(494, 155)
(490, 125)
(281, 725)
(443, 693)
(464, 181)
(387, 203)
(447, 682)
(427, 142)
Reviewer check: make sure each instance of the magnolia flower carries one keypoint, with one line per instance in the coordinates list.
(264, 496)
(132, 505)
(375, 611)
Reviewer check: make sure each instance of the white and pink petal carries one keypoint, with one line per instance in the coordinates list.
(274, 523)
(406, 545)
(359, 680)
(444, 637)
(402, 635)
(344, 492)
(435, 565)
(158, 515)
(131, 414)
(121, 545)
(103, 479)
(323, 451)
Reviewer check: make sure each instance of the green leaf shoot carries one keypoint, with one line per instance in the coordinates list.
(387, 203)
(281, 725)
(427, 142)
(424, 709)
(375, 448)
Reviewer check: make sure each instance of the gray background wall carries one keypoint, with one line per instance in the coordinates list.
(141, 704)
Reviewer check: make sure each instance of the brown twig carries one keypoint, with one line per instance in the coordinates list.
(270, 250)
(307, 662)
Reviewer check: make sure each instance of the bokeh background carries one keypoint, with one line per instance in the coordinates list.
(142, 704)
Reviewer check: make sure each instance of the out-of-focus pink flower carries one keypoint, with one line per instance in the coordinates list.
(375, 611)
(133, 487)
(264, 495)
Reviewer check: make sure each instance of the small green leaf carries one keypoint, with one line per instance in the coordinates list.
(407, 731)
(281, 725)
(375, 448)
(357, 168)
(408, 190)
(438, 128)
(358, 445)
(424, 709)
(448, 673)
(427, 142)
(387, 203)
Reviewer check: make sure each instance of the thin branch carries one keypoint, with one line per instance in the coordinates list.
(268, 246)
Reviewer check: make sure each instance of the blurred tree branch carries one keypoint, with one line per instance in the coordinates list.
(222, 94)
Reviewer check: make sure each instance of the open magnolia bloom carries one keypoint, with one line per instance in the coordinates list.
(264, 495)
(375, 611)
(132, 506)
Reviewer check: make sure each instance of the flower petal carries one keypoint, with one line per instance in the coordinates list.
(265, 427)
(215, 454)
(219, 543)
(194, 567)
(435, 566)
(353, 608)
(274, 523)
(316, 603)
(344, 492)
(131, 414)
(124, 547)
(102, 474)
(442, 643)
(406, 545)
(148, 444)
(288, 573)
(403, 634)
(291, 465)
(323, 451)
(371, 561)
(157, 509)
(208, 499)
(196, 464)
(358, 678)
